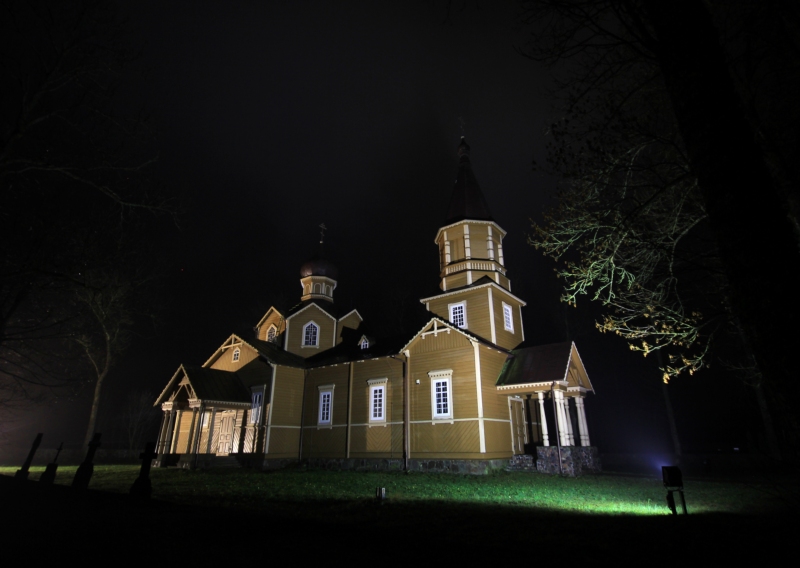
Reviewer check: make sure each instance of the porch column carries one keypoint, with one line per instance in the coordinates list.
(568, 420)
(198, 430)
(166, 441)
(211, 430)
(176, 432)
(162, 431)
(582, 425)
(545, 437)
(562, 424)
(190, 441)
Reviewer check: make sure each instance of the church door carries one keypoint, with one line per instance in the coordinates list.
(517, 408)
(225, 434)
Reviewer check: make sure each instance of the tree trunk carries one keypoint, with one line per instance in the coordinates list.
(751, 227)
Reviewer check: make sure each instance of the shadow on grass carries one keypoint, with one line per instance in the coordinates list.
(55, 523)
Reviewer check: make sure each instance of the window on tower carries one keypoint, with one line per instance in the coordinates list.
(508, 318)
(272, 333)
(458, 314)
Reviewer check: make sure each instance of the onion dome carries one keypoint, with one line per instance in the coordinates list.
(319, 267)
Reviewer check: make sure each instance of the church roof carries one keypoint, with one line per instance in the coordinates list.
(350, 349)
(467, 201)
(275, 354)
(324, 305)
(542, 364)
(210, 384)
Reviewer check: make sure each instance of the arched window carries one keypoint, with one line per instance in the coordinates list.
(235, 356)
(364, 342)
(272, 333)
(310, 335)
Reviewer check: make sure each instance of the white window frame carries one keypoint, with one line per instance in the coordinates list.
(325, 409)
(364, 343)
(256, 404)
(508, 318)
(377, 386)
(316, 335)
(441, 379)
(451, 308)
(235, 355)
(274, 330)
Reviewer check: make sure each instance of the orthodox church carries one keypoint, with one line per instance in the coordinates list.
(313, 385)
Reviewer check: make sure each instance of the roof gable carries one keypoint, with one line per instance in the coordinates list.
(544, 365)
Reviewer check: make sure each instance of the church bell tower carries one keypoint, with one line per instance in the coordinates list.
(475, 290)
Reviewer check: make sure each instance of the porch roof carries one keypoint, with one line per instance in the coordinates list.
(537, 367)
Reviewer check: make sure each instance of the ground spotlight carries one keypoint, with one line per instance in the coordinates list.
(673, 481)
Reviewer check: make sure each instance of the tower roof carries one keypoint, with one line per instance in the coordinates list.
(467, 201)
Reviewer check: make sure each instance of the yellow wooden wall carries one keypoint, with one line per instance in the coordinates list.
(275, 319)
(224, 360)
(295, 334)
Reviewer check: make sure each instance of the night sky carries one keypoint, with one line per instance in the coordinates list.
(274, 117)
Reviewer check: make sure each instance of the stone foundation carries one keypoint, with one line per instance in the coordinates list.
(575, 460)
(522, 462)
(470, 467)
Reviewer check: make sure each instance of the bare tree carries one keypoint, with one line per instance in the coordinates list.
(625, 55)
(74, 169)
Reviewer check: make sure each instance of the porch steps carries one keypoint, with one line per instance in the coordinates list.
(522, 462)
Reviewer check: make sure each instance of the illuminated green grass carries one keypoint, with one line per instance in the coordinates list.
(338, 493)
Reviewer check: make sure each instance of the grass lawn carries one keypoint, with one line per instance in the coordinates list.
(308, 512)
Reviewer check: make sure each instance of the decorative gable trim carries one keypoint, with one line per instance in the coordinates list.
(266, 316)
(350, 312)
(298, 312)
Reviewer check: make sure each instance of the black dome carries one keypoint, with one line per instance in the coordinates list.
(319, 267)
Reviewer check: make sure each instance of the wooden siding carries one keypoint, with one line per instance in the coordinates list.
(506, 339)
(277, 320)
(477, 240)
(295, 335)
(465, 395)
(288, 396)
(335, 375)
(498, 436)
(324, 442)
(495, 404)
(284, 443)
(182, 430)
(444, 438)
(383, 368)
(224, 361)
(477, 303)
(376, 441)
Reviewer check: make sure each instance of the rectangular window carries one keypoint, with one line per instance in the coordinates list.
(458, 314)
(442, 398)
(441, 394)
(325, 406)
(255, 408)
(508, 319)
(377, 397)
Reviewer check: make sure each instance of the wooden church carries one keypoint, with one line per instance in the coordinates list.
(313, 385)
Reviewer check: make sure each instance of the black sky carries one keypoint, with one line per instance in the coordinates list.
(274, 117)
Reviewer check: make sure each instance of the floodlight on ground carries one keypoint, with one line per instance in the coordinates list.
(673, 481)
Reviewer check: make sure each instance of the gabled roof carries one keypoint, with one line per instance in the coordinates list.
(544, 364)
(466, 201)
(437, 321)
(323, 305)
(208, 385)
(482, 282)
(266, 315)
(273, 353)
